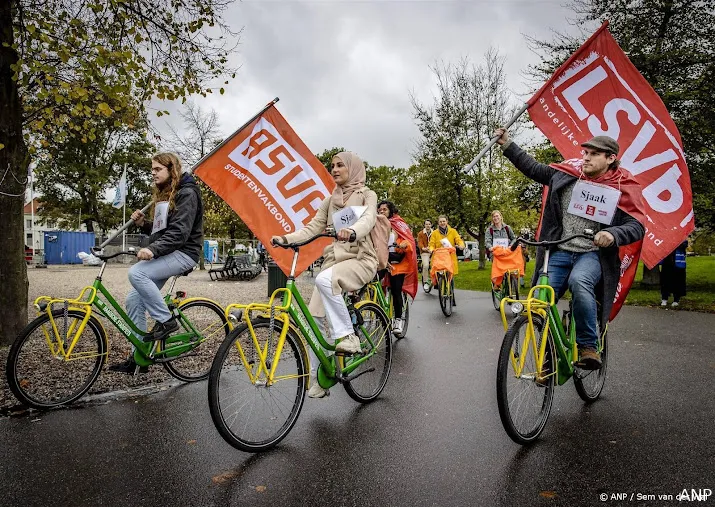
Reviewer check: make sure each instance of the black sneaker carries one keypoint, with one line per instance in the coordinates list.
(161, 330)
(128, 366)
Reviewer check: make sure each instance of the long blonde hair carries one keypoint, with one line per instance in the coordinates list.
(168, 191)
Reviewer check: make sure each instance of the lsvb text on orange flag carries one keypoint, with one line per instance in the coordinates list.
(272, 181)
(598, 91)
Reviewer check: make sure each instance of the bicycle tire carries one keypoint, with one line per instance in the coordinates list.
(368, 386)
(445, 300)
(195, 365)
(405, 316)
(589, 383)
(521, 431)
(30, 390)
(265, 424)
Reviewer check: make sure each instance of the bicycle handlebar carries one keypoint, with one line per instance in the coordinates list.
(96, 252)
(587, 234)
(310, 240)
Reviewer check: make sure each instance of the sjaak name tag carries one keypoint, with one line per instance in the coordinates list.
(347, 217)
(594, 201)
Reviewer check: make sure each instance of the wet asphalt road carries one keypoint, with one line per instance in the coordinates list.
(433, 438)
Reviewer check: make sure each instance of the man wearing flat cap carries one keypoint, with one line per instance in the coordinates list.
(589, 269)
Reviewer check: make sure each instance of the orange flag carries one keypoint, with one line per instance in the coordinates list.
(272, 181)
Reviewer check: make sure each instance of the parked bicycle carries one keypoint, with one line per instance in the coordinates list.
(539, 351)
(59, 355)
(259, 376)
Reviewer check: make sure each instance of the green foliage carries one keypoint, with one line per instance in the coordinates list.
(104, 59)
(671, 43)
(76, 176)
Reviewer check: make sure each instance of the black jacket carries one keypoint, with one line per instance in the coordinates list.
(184, 228)
(624, 228)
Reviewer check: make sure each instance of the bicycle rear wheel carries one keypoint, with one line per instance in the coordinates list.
(248, 413)
(589, 383)
(209, 320)
(525, 401)
(40, 379)
(445, 299)
(375, 337)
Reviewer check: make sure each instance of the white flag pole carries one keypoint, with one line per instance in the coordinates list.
(124, 218)
(494, 139)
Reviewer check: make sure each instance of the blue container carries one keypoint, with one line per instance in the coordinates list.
(210, 250)
(62, 247)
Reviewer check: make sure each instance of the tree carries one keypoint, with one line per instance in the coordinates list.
(65, 63)
(76, 176)
(472, 100)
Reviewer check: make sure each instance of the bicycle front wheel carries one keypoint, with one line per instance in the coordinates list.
(250, 413)
(589, 383)
(210, 322)
(525, 397)
(445, 299)
(375, 338)
(42, 377)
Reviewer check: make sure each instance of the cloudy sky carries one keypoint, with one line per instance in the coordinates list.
(344, 70)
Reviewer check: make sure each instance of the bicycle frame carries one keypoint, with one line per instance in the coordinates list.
(294, 313)
(541, 300)
(145, 353)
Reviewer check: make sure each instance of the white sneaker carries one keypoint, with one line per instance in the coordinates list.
(426, 287)
(675, 303)
(350, 344)
(397, 327)
(316, 391)
(663, 302)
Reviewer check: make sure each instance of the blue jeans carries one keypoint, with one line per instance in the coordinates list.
(147, 278)
(580, 273)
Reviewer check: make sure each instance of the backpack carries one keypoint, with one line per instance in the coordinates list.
(380, 235)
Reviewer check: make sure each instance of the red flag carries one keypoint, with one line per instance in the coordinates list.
(598, 91)
(272, 181)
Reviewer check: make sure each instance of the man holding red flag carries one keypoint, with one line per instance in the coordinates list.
(591, 193)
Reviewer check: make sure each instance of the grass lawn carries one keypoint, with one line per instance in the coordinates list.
(700, 280)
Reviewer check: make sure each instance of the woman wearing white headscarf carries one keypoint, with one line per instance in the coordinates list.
(347, 266)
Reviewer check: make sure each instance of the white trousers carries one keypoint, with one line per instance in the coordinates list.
(335, 309)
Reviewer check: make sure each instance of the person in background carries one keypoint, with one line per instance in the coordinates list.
(402, 276)
(497, 230)
(423, 244)
(672, 275)
(451, 235)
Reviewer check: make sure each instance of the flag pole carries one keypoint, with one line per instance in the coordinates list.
(493, 140)
(267, 106)
(124, 213)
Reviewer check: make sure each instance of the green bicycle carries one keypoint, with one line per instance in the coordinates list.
(374, 292)
(259, 376)
(539, 351)
(59, 355)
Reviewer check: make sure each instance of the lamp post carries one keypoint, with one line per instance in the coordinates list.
(30, 169)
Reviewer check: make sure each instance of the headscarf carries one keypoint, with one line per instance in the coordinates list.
(356, 178)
